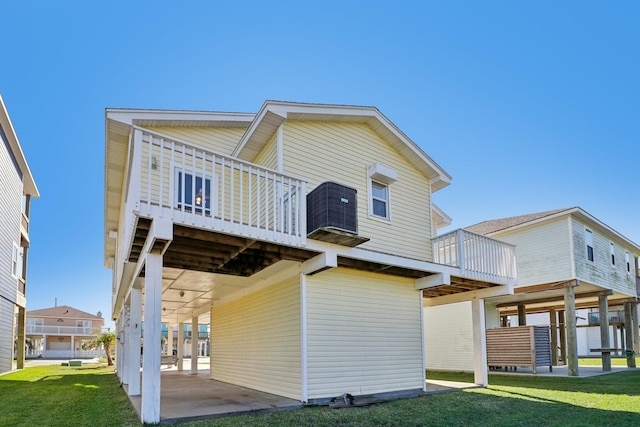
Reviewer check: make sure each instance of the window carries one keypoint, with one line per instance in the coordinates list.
(15, 261)
(627, 261)
(613, 254)
(380, 200)
(589, 242)
(191, 193)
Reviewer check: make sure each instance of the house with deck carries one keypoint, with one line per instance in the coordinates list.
(302, 234)
(577, 276)
(17, 187)
(63, 332)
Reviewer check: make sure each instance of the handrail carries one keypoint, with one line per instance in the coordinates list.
(477, 256)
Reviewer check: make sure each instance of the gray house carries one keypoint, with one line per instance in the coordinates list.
(16, 189)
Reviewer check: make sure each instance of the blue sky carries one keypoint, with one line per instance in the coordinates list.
(530, 106)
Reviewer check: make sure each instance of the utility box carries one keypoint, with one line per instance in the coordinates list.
(332, 214)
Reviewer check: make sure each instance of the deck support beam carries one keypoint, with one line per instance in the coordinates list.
(553, 323)
(480, 369)
(132, 345)
(180, 346)
(628, 332)
(570, 326)
(195, 335)
(21, 342)
(603, 310)
(150, 399)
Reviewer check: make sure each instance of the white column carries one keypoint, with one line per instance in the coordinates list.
(73, 346)
(150, 399)
(122, 358)
(480, 370)
(180, 346)
(195, 334)
(132, 344)
(169, 340)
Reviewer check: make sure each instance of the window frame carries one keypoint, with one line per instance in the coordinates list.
(193, 208)
(589, 247)
(373, 198)
(15, 261)
(627, 260)
(613, 254)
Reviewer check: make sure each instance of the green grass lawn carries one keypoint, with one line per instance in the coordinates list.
(91, 395)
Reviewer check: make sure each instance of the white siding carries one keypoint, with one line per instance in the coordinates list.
(544, 252)
(363, 334)
(221, 140)
(600, 272)
(448, 331)
(256, 341)
(341, 152)
(10, 217)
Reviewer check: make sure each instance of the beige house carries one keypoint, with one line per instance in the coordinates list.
(62, 332)
(17, 187)
(302, 234)
(568, 261)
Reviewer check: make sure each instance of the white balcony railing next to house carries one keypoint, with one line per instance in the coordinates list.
(478, 257)
(59, 330)
(187, 184)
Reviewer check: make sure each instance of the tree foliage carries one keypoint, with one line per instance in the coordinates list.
(107, 339)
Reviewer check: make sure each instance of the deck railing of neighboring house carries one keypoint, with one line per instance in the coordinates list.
(59, 330)
(478, 257)
(191, 185)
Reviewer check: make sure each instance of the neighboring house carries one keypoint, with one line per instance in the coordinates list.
(63, 332)
(571, 269)
(17, 187)
(301, 234)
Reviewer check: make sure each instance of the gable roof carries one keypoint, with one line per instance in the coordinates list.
(29, 184)
(493, 226)
(273, 113)
(63, 311)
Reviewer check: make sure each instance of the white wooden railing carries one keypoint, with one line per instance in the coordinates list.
(59, 330)
(478, 257)
(177, 180)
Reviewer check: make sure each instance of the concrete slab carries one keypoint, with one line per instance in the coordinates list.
(185, 397)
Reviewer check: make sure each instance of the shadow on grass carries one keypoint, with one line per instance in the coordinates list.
(619, 383)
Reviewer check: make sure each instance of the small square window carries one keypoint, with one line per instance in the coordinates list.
(15, 257)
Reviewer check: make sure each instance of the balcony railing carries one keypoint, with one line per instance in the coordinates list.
(190, 185)
(615, 316)
(59, 330)
(478, 257)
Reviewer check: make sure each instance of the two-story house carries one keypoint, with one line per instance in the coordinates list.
(17, 187)
(302, 234)
(568, 260)
(63, 332)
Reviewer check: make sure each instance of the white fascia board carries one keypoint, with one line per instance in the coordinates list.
(128, 116)
(29, 186)
(382, 258)
(494, 291)
(433, 281)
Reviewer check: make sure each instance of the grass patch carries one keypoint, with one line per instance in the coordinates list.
(92, 396)
(597, 361)
(87, 395)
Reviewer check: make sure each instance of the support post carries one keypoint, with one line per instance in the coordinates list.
(603, 310)
(636, 328)
(132, 344)
(563, 337)
(522, 315)
(553, 322)
(628, 329)
(22, 321)
(570, 326)
(180, 346)
(169, 340)
(194, 345)
(123, 327)
(150, 399)
(480, 369)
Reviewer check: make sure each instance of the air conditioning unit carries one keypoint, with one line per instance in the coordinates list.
(332, 214)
